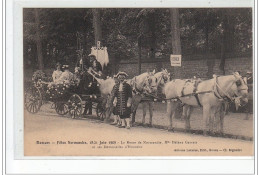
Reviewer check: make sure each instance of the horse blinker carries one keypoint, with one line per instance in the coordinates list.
(238, 83)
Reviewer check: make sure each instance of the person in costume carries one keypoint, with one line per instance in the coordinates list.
(66, 76)
(122, 100)
(57, 73)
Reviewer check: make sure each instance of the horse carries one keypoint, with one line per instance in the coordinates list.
(209, 94)
(161, 79)
(142, 85)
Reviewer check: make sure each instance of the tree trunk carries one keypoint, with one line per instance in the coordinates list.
(175, 32)
(224, 43)
(152, 24)
(97, 25)
(38, 40)
(210, 61)
(176, 43)
(139, 53)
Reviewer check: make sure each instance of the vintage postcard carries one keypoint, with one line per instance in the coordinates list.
(76, 60)
(133, 81)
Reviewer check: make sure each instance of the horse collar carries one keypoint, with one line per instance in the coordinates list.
(226, 96)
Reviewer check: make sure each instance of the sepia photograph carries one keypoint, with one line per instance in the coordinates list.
(138, 81)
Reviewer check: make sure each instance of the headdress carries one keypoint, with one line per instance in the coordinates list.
(121, 73)
(65, 66)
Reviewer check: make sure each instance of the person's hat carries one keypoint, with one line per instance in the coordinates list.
(121, 73)
(65, 66)
(58, 64)
(92, 55)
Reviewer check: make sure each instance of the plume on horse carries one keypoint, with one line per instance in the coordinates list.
(209, 94)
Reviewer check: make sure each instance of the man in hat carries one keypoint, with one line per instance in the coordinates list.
(95, 65)
(122, 100)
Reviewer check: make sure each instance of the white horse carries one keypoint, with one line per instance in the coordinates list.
(161, 79)
(142, 85)
(209, 94)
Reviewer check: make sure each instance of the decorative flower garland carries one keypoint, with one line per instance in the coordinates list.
(57, 91)
(54, 91)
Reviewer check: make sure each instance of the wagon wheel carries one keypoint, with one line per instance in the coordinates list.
(100, 111)
(61, 108)
(33, 100)
(75, 106)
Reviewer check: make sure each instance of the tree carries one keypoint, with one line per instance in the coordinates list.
(38, 40)
(176, 43)
(175, 31)
(97, 25)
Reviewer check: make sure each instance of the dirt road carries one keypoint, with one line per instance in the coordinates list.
(47, 134)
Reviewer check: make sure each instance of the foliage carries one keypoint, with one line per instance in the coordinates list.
(202, 31)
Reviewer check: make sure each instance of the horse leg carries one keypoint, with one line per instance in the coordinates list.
(144, 112)
(222, 115)
(136, 101)
(151, 113)
(206, 116)
(169, 114)
(213, 120)
(187, 112)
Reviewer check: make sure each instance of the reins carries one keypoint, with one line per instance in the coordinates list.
(215, 91)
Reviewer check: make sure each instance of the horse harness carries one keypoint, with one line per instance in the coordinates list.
(195, 88)
(135, 89)
(215, 90)
(226, 96)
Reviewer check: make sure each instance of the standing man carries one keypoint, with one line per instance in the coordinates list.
(92, 88)
(122, 100)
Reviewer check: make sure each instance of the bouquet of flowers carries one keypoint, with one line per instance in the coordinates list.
(39, 76)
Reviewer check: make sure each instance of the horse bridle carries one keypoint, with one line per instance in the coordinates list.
(226, 95)
(147, 83)
(165, 79)
(135, 89)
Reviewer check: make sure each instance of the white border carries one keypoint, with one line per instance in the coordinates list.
(14, 109)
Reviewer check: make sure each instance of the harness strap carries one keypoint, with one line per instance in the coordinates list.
(135, 89)
(197, 98)
(196, 83)
(216, 92)
(184, 86)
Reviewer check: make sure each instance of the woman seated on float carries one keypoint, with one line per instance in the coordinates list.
(66, 76)
(57, 73)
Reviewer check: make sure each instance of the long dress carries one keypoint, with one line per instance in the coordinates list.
(66, 77)
(56, 75)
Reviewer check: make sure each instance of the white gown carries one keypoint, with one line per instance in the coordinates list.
(56, 75)
(66, 77)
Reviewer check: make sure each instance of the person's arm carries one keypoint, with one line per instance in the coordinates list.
(53, 76)
(129, 93)
(114, 96)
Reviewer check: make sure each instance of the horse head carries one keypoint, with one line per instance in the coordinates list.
(240, 88)
(150, 83)
(162, 77)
